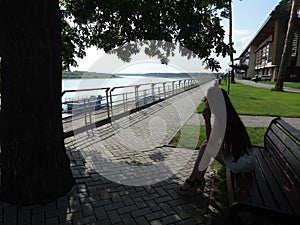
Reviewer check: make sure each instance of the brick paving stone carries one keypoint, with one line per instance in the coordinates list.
(141, 212)
(114, 217)
(89, 199)
(140, 203)
(171, 219)
(163, 199)
(155, 215)
(100, 203)
(127, 200)
(161, 191)
(179, 201)
(87, 209)
(103, 222)
(74, 205)
(115, 197)
(150, 196)
(127, 209)
(128, 219)
(189, 221)
(153, 205)
(114, 206)
(100, 213)
(141, 220)
(140, 194)
(181, 212)
(156, 222)
(166, 208)
(85, 220)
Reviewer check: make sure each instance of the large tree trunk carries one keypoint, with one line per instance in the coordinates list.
(288, 44)
(35, 167)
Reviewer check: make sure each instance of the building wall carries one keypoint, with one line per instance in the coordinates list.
(252, 62)
(259, 63)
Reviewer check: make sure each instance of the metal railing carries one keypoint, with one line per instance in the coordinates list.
(84, 113)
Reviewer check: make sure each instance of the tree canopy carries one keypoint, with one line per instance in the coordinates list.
(194, 25)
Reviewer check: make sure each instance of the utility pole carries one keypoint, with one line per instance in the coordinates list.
(231, 42)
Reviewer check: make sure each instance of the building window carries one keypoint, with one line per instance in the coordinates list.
(262, 56)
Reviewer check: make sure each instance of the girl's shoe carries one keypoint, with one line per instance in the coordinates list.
(189, 188)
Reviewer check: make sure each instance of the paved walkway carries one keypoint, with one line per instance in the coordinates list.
(126, 175)
(269, 86)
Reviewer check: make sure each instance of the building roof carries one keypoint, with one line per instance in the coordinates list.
(263, 33)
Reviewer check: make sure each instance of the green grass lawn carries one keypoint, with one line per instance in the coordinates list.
(249, 100)
(192, 136)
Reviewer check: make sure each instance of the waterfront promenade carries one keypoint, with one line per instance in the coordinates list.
(126, 174)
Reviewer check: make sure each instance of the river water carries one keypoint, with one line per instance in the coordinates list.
(79, 84)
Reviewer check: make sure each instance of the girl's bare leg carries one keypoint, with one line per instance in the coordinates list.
(196, 174)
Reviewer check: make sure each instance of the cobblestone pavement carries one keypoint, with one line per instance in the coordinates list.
(125, 173)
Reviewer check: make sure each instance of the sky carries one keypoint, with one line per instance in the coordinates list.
(248, 17)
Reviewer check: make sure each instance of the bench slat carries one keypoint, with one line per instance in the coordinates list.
(288, 143)
(290, 167)
(279, 181)
(269, 184)
(285, 157)
(286, 147)
(292, 130)
(289, 183)
(256, 197)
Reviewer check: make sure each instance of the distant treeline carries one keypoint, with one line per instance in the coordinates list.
(176, 75)
(86, 75)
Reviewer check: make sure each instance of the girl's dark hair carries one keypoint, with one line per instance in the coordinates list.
(236, 141)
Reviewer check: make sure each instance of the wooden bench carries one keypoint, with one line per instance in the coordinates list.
(272, 191)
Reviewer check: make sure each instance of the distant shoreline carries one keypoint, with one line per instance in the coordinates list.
(95, 75)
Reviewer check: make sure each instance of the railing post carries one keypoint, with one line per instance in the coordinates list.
(158, 92)
(164, 89)
(124, 107)
(111, 101)
(85, 111)
(145, 96)
(153, 92)
(179, 86)
(173, 84)
(107, 102)
(136, 92)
